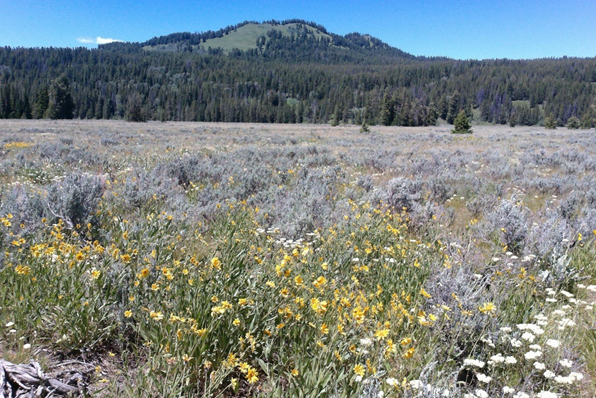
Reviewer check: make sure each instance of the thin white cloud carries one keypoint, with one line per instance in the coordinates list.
(85, 40)
(97, 40)
(102, 40)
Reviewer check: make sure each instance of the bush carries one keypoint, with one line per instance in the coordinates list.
(573, 123)
(364, 128)
(75, 199)
(550, 123)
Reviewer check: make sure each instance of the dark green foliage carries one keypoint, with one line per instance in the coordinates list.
(550, 123)
(134, 109)
(443, 107)
(454, 107)
(388, 110)
(60, 102)
(287, 79)
(461, 124)
(588, 120)
(573, 123)
(336, 117)
(41, 105)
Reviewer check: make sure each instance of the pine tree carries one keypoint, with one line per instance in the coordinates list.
(387, 110)
(60, 105)
(454, 107)
(462, 124)
(550, 123)
(587, 121)
(134, 108)
(443, 107)
(41, 105)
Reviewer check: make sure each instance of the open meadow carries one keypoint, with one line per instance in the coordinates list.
(197, 259)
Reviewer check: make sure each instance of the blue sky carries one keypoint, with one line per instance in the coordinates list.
(459, 29)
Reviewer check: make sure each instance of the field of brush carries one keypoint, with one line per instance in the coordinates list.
(185, 259)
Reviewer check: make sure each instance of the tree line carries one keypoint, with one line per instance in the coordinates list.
(295, 79)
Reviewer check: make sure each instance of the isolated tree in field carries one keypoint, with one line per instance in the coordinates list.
(462, 124)
(550, 123)
(573, 123)
(364, 127)
(60, 104)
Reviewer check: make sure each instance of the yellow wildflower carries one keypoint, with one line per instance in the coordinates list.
(22, 270)
(359, 370)
(487, 308)
(424, 293)
(244, 367)
(158, 316)
(252, 376)
(410, 353)
(382, 334)
(320, 282)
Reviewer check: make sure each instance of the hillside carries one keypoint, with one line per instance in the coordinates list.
(288, 72)
(292, 40)
(243, 38)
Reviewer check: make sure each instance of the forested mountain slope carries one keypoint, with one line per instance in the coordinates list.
(287, 72)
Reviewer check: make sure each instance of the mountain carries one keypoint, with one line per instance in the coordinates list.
(288, 72)
(292, 40)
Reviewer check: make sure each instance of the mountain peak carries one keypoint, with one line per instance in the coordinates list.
(293, 39)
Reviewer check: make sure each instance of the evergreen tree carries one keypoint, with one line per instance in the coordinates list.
(454, 107)
(134, 108)
(60, 103)
(550, 123)
(387, 110)
(462, 124)
(41, 105)
(431, 115)
(336, 117)
(443, 107)
(587, 121)
(573, 123)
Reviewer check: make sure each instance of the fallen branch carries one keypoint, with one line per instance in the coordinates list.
(29, 381)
